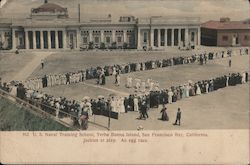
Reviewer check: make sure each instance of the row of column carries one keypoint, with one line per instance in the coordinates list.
(27, 44)
(151, 37)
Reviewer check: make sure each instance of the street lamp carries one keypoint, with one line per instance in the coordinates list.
(109, 113)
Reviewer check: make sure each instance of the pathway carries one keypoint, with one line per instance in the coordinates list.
(26, 71)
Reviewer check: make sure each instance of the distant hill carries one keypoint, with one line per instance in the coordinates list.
(14, 118)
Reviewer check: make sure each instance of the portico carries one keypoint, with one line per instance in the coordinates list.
(44, 39)
(157, 33)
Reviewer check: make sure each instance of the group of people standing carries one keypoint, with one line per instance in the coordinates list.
(141, 85)
(141, 103)
(100, 73)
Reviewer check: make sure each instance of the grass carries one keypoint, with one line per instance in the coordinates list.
(15, 118)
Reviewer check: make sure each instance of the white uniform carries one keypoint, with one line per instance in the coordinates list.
(198, 90)
(136, 106)
(143, 86)
(170, 97)
(118, 80)
(243, 79)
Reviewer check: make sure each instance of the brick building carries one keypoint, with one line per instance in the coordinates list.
(225, 33)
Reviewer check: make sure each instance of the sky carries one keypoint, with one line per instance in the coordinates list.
(205, 9)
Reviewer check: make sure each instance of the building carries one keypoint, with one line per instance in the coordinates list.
(50, 27)
(225, 33)
(2, 3)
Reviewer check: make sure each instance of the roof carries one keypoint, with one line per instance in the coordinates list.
(230, 25)
(169, 20)
(50, 7)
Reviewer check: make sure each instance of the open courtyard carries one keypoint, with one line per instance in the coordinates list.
(227, 108)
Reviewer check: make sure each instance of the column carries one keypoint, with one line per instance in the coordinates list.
(166, 37)
(102, 36)
(172, 37)
(41, 40)
(179, 37)
(27, 40)
(125, 36)
(56, 40)
(199, 36)
(13, 39)
(34, 39)
(49, 40)
(91, 36)
(139, 38)
(78, 35)
(159, 37)
(113, 35)
(2, 37)
(186, 38)
(64, 39)
(152, 38)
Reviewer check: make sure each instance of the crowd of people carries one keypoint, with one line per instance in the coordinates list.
(99, 73)
(141, 103)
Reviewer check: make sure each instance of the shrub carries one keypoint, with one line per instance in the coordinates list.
(125, 45)
(91, 45)
(102, 46)
(114, 45)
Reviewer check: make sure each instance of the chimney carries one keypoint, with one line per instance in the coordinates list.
(79, 13)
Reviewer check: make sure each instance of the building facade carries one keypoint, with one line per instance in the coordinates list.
(50, 27)
(225, 33)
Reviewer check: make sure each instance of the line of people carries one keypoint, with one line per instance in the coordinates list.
(140, 103)
(99, 73)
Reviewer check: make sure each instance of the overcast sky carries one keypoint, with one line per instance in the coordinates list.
(205, 9)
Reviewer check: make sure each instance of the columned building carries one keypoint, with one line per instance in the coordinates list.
(162, 32)
(50, 27)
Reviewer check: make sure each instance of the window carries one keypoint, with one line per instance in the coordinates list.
(96, 39)
(85, 40)
(224, 38)
(107, 39)
(145, 37)
(119, 39)
(246, 37)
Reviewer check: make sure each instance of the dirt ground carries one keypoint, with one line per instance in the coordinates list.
(70, 61)
(226, 108)
(167, 77)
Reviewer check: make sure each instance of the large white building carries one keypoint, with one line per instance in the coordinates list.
(50, 27)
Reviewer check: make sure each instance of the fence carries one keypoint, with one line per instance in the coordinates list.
(43, 110)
